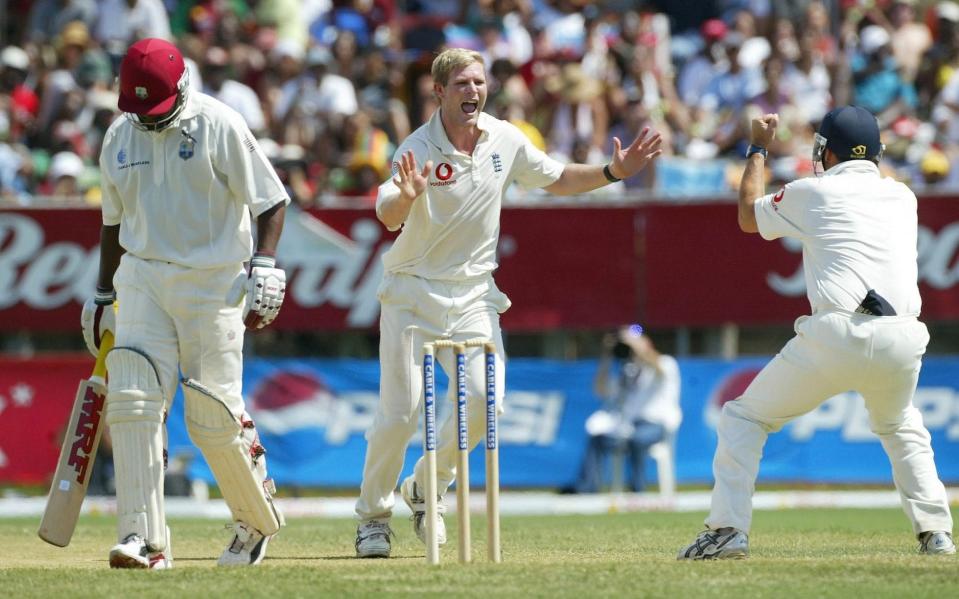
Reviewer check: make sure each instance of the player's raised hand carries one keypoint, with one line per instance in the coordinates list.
(412, 182)
(763, 130)
(634, 158)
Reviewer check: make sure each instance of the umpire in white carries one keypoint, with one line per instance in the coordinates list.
(858, 231)
(182, 175)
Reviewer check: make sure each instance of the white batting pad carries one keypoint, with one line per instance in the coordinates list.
(233, 451)
(135, 416)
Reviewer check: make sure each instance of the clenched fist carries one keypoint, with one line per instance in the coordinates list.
(763, 130)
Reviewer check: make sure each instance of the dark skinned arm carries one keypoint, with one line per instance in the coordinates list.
(110, 254)
(269, 226)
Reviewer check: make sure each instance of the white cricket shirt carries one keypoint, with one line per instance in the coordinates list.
(651, 395)
(184, 195)
(858, 231)
(452, 229)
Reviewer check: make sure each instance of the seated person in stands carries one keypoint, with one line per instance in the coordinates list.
(641, 396)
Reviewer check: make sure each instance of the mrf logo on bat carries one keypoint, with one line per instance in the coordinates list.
(85, 433)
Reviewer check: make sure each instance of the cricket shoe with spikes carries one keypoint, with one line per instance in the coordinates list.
(373, 539)
(248, 547)
(417, 504)
(133, 552)
(936, 542)
(720, 543)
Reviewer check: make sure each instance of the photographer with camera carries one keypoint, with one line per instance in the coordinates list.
(641, 406)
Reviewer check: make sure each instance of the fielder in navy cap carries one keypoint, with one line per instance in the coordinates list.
(859, 232)
(850, 133)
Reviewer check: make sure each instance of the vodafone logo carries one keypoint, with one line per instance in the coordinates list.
(779, 196)
(444, 174)
(443, 171)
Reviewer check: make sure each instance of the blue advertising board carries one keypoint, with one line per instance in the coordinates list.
(312, 415)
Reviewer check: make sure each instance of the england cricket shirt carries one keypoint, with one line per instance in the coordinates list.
(452, 229)
(858, 231)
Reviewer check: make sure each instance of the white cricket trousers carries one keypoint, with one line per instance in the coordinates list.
(834, 352)
(414, 311)
(179, 317)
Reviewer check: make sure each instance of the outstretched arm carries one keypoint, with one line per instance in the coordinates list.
(580, 178)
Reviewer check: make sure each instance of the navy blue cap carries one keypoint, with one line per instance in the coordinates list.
(852, 133)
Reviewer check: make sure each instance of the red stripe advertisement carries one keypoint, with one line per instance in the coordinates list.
(562, 267)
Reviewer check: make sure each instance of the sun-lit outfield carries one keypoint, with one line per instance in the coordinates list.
(795, 553)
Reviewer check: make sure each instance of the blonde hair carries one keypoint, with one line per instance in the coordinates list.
(451, 60)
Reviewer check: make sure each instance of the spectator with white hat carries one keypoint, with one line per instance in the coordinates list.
(16, 81)
(64, 175)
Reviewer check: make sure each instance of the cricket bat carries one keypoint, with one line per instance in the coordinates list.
(80, 443)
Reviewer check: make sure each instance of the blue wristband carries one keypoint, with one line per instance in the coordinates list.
(756, 150)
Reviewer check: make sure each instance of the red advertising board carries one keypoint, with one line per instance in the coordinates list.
(700, 269)
(570, 267)
(36, 396)
(563, 267)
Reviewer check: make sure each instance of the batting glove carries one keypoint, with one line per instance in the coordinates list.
(98, 317)
(265, 289)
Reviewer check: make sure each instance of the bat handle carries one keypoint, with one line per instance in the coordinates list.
(106, 344)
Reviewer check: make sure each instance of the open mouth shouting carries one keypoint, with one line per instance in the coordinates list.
(470, 107)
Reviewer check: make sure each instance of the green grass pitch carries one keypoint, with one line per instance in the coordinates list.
(795, 553)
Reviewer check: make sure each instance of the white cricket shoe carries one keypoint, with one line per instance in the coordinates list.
(162, 560)
(721, 543)
(936, 542)
(248, 547)
(133, 552)
(417, 504)
(373, 539)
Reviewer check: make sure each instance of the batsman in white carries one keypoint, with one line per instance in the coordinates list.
(858, 230)
(181, 176)
(449, 179)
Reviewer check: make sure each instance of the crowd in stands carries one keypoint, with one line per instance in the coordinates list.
(330, 87)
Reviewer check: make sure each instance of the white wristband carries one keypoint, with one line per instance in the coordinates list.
(263, 261)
